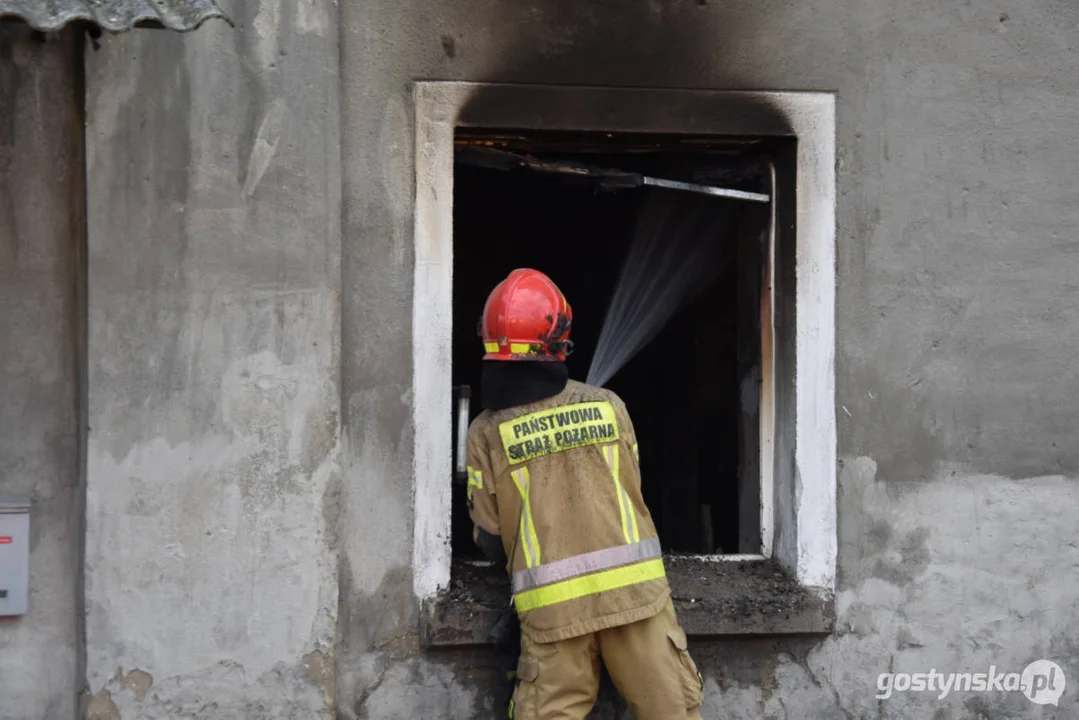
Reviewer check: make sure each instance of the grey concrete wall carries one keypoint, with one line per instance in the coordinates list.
(213, 454)
(41, 221)
(245, 560)
(956, 259)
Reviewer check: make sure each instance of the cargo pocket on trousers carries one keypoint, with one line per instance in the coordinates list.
(523, 703)
(692, 681)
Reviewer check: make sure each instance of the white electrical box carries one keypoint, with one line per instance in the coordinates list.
(14, 555)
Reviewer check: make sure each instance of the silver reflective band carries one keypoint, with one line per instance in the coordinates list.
(591, 562)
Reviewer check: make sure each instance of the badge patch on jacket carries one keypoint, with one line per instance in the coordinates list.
(558, 429)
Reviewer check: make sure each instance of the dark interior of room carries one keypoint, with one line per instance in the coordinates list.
(682, 389)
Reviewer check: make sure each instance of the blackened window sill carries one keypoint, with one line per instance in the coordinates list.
(714, 599)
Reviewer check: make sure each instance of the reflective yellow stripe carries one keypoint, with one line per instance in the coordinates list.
(524, 543)
(634, 533)
(610, 454)
(625, 505)
(631, 512)
(589, 585)
(528, 530)
(636, 453)
(475, 480)
(515, 348)
(475, 477)
(586, 564)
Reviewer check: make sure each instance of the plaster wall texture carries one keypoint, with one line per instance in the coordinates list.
(40, 231)
(214, 371)
(250, 476)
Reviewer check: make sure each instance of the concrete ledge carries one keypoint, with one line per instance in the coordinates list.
(714, 599)
(748, 597)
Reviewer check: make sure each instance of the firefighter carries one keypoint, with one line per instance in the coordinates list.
(554, 492)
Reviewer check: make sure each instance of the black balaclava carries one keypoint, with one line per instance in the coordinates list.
(506, 384)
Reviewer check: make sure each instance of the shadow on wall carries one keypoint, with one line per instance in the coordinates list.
(658, 43)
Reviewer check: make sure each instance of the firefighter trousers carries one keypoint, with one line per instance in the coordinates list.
(647, 660)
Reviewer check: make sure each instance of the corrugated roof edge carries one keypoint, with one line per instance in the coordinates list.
(114, 16)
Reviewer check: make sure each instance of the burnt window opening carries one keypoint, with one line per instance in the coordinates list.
(693, 391)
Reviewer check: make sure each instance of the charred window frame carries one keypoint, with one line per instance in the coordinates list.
(693, 214)
(798, 413)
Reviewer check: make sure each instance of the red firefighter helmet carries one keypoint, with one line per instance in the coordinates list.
(526, 318)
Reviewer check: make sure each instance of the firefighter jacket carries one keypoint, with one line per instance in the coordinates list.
(558, 480)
